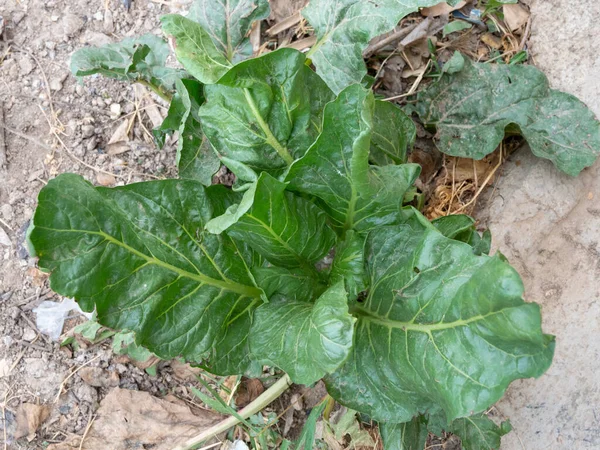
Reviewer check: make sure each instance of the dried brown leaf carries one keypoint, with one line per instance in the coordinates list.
(441, 9)
(29, 419)
(133, 419)
(515, 16)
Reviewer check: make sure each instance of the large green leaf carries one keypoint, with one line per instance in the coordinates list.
(139, 255)
(133, 59)
(474, 107)
(196, 159)
(265, 112)
(404, 436)
(336, 167)
(440, 328)
(344, 29)
(476, 432)
(307, 340)
(289, 231)
(228, 22)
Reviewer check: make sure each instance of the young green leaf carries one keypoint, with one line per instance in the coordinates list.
(440, 328)
(349, 264)
(228, 22)
(307, 340)
(344, 29)
(293, 284)
(473, 108)
(393, 134)
(195, 49)
(139, 255)
(289, 231)
(196, 159)
(336, 167)
(404, 436)
(462, 228)
(265, 112)
(133, 59)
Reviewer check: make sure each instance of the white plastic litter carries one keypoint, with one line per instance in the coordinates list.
(240, 445)
(50, 316)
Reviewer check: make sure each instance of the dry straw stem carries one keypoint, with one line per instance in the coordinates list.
(64, 382)
(257, 405)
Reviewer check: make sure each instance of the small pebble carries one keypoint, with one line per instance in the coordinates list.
(115, 110)
(105, 179)
(87, 131)
(29, 334)
(56, 85)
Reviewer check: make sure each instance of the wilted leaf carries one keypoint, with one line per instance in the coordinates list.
(404, 436)
(306, 340)
(265, 112)
(29, 418)
(474, 107)
(228, 22)
(128, 418)
(344, 29)
(132, 59)
(336, 167)
(349, 425)
(139, 255)
(440, 328)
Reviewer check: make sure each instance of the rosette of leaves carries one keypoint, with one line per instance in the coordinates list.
(435, 325)
(412, 323)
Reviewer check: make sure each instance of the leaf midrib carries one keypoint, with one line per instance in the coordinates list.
(428, 328)
(269, 137)
(249, 291)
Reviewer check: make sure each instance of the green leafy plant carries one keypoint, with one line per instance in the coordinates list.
(313, 263)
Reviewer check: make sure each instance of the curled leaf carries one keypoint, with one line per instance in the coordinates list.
(132, 59)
